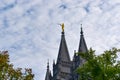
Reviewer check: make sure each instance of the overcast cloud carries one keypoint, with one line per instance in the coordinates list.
(29, 29)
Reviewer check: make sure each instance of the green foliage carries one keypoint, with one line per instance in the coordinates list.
(7, 72)
(102, 67)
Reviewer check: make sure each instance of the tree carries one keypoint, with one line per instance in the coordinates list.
(102, 67)
(7, 72)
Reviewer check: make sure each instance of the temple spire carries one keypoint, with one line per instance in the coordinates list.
(63, 54)
(48, 73)
(82, 43)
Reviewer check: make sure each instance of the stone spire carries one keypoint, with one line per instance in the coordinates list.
(48, 73)
(62, 68)
(63, 54)
(82, 43)
(77, 60)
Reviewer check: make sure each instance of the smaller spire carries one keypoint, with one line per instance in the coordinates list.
(82, 43)
(48, 73)
(81, 30)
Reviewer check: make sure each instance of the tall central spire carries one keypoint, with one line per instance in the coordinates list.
(62, 69)
(82, 44)
(63, 54)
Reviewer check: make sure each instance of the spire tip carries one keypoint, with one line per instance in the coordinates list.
(62, 26)
(81, 30)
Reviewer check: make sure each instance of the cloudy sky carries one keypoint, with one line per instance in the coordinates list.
(29, 29)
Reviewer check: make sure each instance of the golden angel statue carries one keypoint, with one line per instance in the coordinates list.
(62, 25)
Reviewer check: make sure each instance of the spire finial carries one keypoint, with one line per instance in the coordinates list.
(48, 64)
(62, 25)
(81, 30)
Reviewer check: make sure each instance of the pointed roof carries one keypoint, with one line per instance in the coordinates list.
(48, 73)
(82, 44)
(63, 54)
